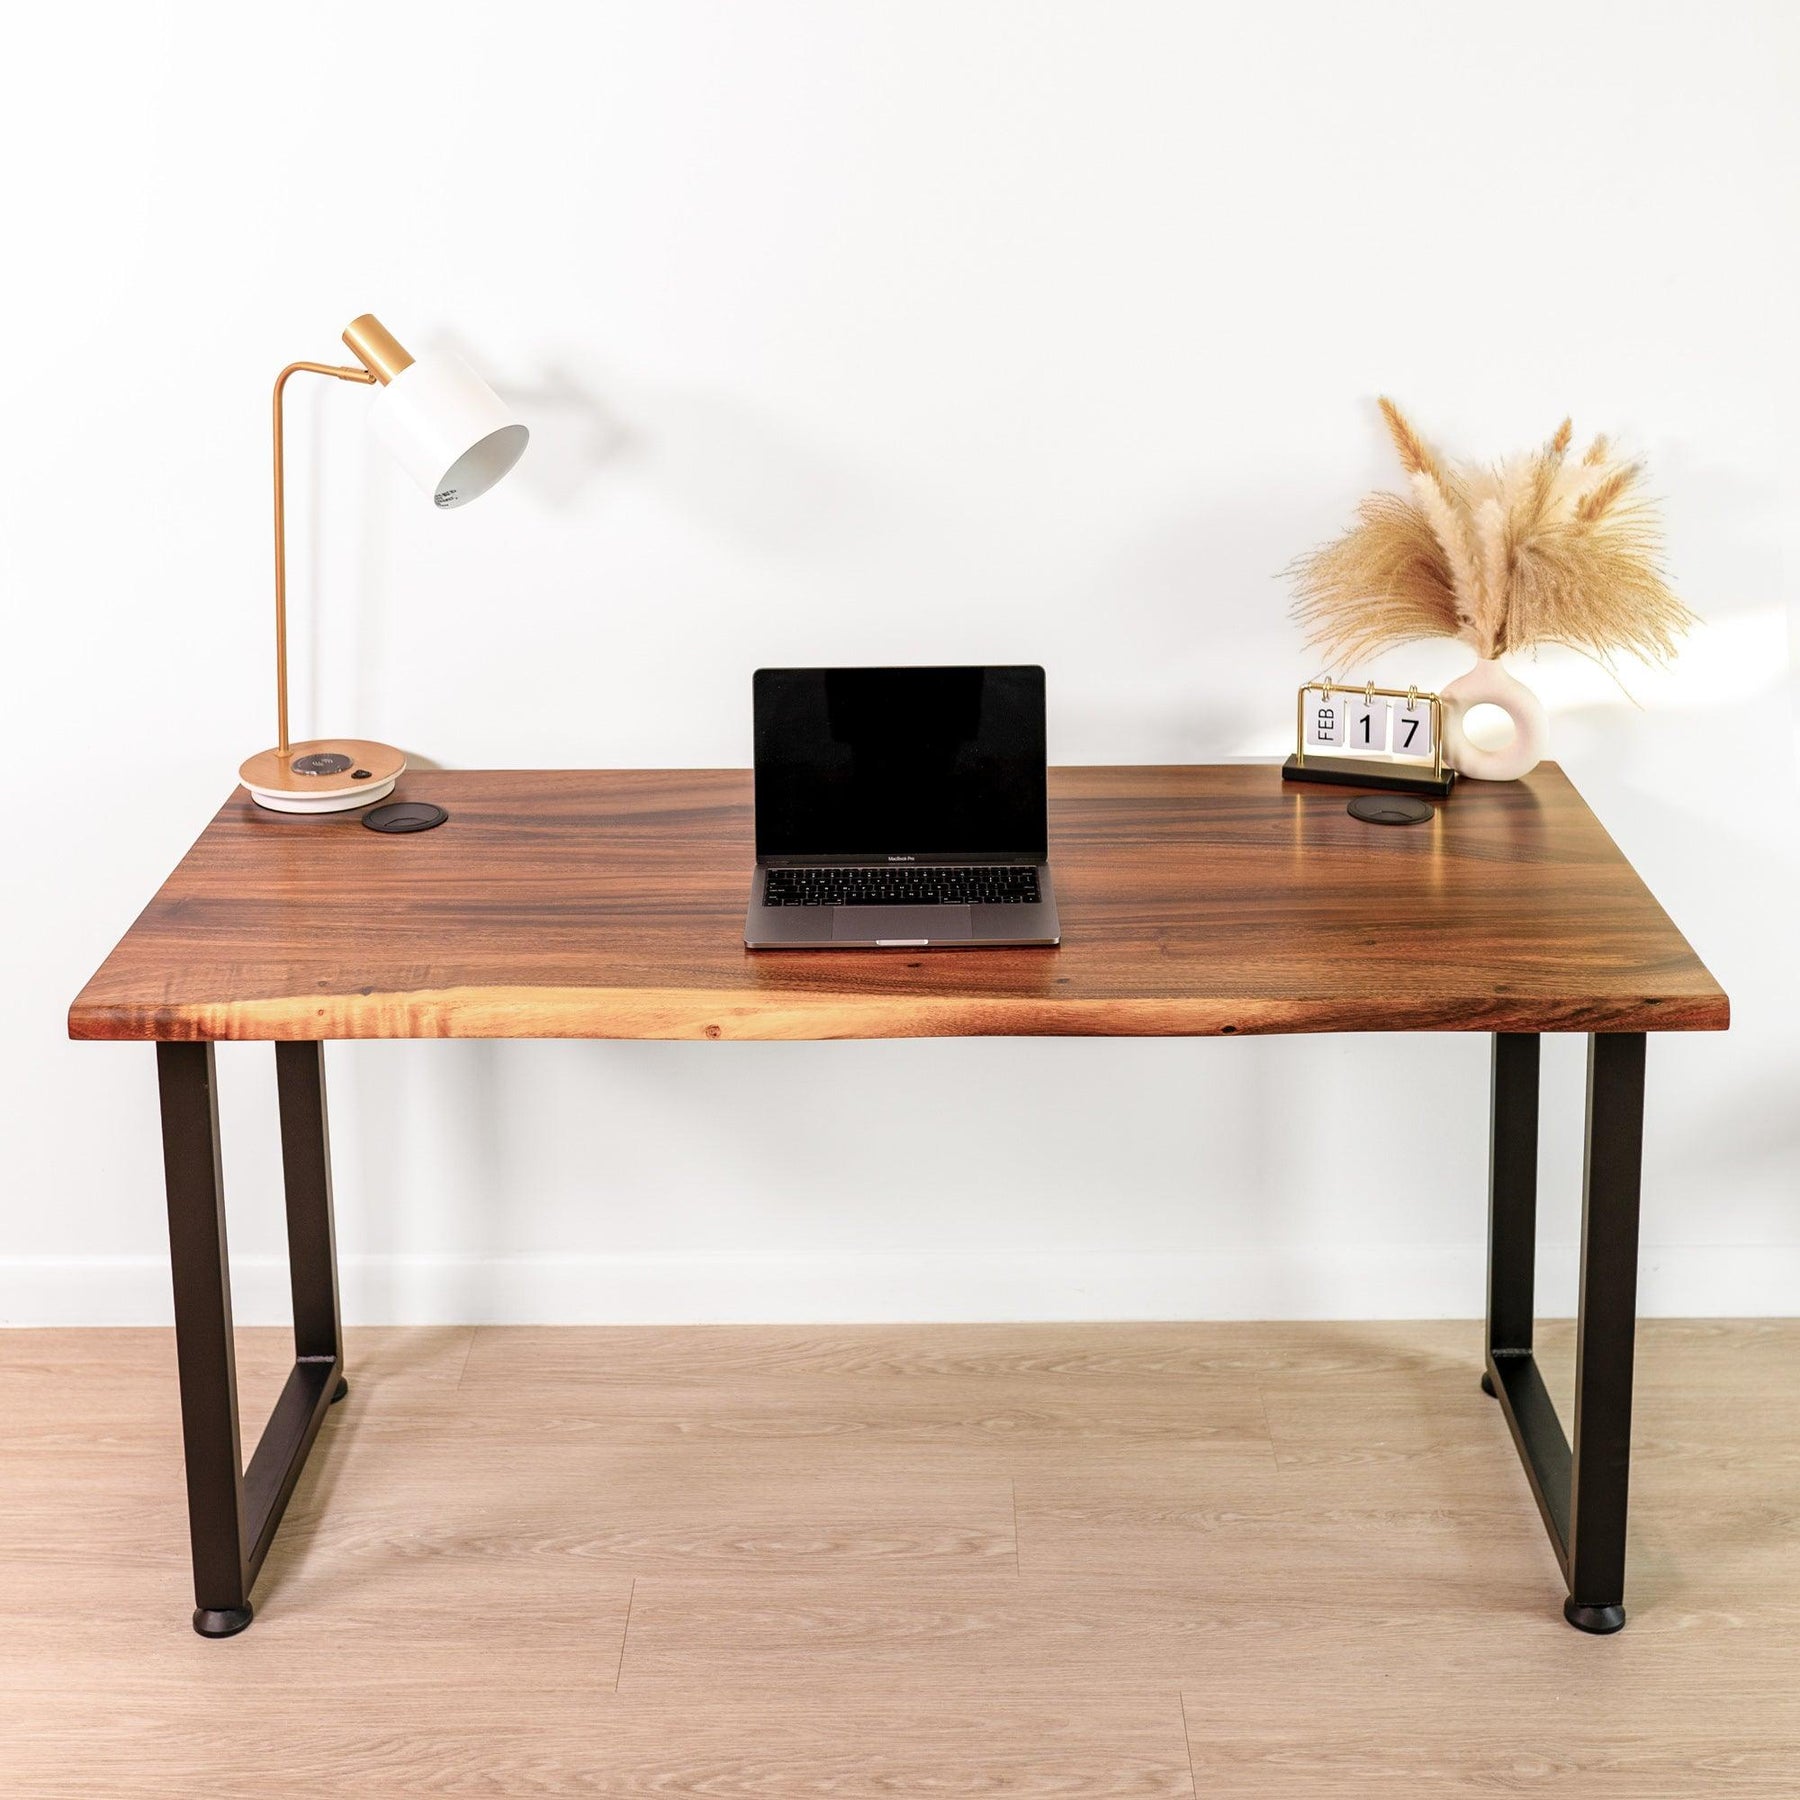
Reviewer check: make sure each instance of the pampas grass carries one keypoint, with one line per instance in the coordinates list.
(1533, 550)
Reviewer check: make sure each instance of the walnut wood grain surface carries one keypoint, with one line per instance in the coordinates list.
(589, 903)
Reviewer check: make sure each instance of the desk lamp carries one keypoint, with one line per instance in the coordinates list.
(451, 432)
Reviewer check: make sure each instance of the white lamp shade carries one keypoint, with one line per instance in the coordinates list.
(447, 429)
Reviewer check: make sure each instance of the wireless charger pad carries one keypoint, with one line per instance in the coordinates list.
(405, 815)
(1376, 809)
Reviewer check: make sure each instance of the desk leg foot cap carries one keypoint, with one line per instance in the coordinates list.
(343, 1387)
(1602, 1621)
(1487, 1385)
(221, 1622)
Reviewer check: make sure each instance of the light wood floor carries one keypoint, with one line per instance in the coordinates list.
(878, 1563)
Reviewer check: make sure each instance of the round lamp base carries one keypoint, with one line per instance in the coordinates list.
(323, 775)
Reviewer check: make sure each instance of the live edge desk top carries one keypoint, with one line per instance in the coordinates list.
(610, 904)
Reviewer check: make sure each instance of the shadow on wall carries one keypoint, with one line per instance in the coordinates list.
(731, 1161)
(413, 1114)
(730, 466)
(576, 435)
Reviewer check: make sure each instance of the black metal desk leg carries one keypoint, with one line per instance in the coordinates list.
(233, 1510)
(1581, 1490)
(206, 1360)
(1606, 1342)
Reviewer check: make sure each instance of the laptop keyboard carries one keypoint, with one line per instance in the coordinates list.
(901, 884)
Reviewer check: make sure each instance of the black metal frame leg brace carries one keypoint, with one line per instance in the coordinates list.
(1581, 1489)
(233, 1510)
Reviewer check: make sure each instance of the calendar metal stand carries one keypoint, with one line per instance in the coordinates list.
(1383, 771)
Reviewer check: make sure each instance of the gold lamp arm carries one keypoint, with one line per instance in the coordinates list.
(368, 378)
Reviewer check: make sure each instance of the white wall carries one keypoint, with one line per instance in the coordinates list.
(867, 332)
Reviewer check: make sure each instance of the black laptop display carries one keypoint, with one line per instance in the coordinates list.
(932, 762)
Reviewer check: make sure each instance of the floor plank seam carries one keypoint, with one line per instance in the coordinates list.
(1018, 1559)
(630, 1601)
(1188, 1745)
(1262, 1401)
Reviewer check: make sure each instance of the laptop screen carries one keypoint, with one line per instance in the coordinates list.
(900, 762)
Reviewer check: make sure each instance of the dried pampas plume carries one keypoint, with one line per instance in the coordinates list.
(1535, 550)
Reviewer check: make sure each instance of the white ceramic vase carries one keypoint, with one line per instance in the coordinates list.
(1488, 684)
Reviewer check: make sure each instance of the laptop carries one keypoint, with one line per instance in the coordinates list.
(900, 809)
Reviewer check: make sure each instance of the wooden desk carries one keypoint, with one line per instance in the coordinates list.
(611, 904)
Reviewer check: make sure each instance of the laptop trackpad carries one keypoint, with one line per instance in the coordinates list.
(902, 924)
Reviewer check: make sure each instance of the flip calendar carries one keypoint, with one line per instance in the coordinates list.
(1376, 737)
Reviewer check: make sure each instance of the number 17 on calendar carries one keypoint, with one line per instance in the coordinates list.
(1398, 725)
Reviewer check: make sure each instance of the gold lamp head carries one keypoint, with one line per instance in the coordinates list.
(376, 348)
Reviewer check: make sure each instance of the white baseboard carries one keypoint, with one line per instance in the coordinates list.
(1378, 1281)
